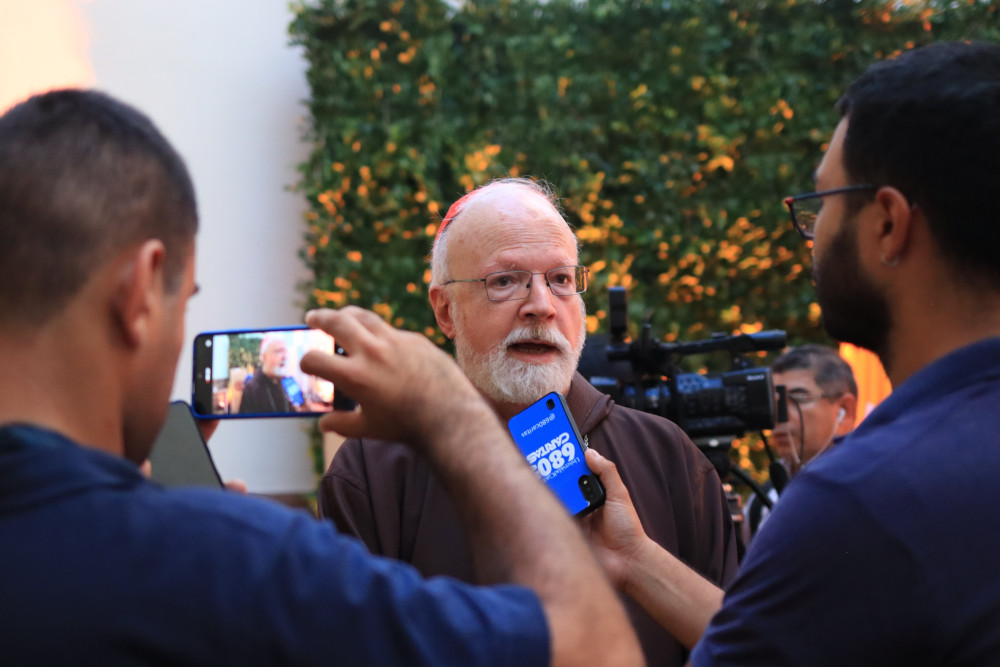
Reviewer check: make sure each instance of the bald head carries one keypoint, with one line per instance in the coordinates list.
(273, 352)
(478, 218)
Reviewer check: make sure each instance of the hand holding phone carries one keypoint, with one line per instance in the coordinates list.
(407, 388)
(547, 435)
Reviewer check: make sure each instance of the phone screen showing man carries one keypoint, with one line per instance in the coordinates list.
(256, 373)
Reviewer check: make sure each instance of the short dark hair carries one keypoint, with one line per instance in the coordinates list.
(928, 123)
(832, 374)
(82, 176)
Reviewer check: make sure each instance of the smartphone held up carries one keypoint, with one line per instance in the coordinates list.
(180, 456)
(548, 437)
(256, 373)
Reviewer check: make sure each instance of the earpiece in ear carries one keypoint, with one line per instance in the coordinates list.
(841, 414)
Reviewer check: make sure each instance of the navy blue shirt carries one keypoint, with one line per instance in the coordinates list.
(883, 550)
(100, 566)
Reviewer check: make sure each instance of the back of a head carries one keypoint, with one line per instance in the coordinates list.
(82, 176)
(832, 374)
(928, 123)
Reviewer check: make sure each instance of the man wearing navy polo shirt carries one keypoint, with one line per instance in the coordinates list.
(100, 566)
(883, 550)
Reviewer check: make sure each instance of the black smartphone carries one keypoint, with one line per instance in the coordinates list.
(180, 456)
(547, 435)
(256, 373)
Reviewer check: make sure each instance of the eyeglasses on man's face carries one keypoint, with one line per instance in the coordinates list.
(802, 396)
(514, 285)
(804, 209)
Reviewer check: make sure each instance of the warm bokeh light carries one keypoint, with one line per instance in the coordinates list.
(873, 384)
(43, 45)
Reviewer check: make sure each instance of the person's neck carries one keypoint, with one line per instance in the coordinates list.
(930, 325)
(506, 410)
(58, 381)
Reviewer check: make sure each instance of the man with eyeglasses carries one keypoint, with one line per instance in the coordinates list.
(882, 551)
(821, 399)
(506, 285)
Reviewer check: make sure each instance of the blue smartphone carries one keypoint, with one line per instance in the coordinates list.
(293, 391)
(256, 373)
(547, 435)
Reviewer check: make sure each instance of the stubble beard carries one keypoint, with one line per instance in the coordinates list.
(853, 309)
(503, 379)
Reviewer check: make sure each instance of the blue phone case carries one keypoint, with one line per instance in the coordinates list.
(549, 438)
(293, 391)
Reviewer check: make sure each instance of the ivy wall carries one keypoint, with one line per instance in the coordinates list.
(671, 129)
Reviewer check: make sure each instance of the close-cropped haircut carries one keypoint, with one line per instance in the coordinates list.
(928, 124)
(83, 176)
(832, 374)
(439, 252)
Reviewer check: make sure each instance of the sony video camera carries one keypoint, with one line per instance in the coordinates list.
(644, 375)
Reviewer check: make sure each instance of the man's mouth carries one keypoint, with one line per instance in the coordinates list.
(533, 347)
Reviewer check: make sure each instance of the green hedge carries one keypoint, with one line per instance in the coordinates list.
(672, 129)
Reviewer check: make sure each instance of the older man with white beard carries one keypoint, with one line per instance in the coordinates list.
(506, 288)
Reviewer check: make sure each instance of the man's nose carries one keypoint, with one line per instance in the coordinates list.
(540, 299)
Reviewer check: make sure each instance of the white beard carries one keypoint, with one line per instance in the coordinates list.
(503, 379)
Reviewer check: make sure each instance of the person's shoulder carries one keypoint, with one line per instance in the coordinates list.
(644, 421)
(657, 434)
(217, 511)
(252, 382)
(647, 445)
(360, 459)
(223, 524)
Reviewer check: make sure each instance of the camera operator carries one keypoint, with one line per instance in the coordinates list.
(822, 399)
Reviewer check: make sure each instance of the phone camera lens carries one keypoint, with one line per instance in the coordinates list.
(550, 404)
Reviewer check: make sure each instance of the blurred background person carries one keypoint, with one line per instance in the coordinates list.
(263, 391)
(237, 381)
(822, 401)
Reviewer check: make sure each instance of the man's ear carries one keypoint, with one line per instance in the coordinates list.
(441, 305)
(897, 224)
(849, 404)
(139, 290)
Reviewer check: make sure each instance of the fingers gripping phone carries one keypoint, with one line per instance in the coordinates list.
(547, 435)
(256, 373)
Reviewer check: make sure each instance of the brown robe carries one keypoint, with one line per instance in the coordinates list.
(386, 495)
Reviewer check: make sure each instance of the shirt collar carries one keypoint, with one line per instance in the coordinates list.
(978, 362)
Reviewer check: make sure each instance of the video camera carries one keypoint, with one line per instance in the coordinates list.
(644, 375)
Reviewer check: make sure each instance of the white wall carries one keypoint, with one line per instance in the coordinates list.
(220, 81)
